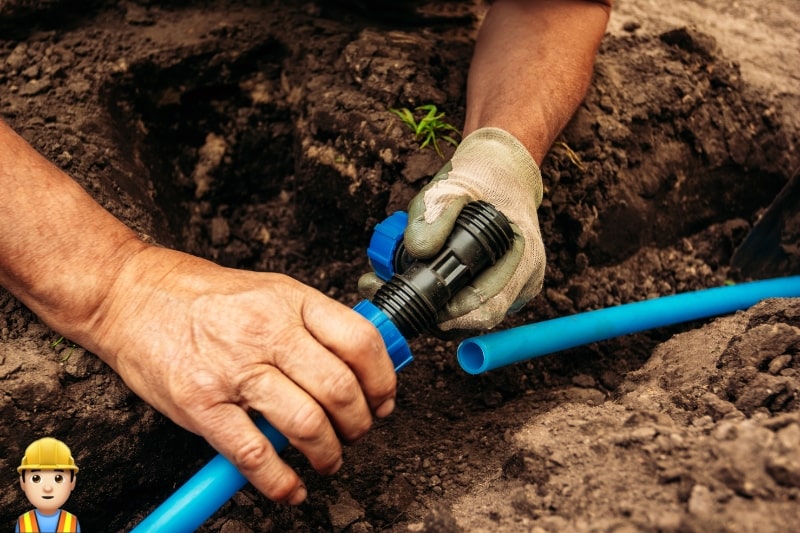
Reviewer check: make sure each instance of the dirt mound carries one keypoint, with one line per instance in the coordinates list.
(261, 138)
(703, 437)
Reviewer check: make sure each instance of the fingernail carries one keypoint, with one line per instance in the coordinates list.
(299, 495)
(385, 409)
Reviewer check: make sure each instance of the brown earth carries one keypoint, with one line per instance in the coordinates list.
(257, 134)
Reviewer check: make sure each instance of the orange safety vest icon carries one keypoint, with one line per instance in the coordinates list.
(67, 523)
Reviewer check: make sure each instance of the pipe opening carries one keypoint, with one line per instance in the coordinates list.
(471, 357)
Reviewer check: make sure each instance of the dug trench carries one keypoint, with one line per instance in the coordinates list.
(261, 138)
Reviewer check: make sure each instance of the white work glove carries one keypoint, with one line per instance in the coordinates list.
(490, 164)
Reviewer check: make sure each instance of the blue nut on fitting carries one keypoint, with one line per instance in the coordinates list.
(396, 344)
(387, 237)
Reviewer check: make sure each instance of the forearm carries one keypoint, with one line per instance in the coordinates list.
(59, 249)
(532, 66)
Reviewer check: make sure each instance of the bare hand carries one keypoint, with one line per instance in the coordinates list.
(206, 346)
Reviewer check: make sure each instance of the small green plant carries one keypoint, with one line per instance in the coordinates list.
(72, 347)
(430, 128)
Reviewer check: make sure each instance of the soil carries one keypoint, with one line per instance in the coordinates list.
(257, 134)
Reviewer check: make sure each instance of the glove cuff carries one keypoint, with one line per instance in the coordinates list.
(495, 147)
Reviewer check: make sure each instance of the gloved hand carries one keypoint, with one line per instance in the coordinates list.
(490, 164)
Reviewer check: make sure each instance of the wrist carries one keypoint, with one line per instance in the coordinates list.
(60, 268)
(70, 296)
(147, 277)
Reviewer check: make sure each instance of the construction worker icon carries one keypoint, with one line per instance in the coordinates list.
(47, 477)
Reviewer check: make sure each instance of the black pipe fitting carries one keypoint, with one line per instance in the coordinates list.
(413, 298)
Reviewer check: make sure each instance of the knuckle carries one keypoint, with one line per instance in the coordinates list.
(310, 429)
(280, 483)
(252, 455)
(346, 396)
(308, 422)
(342, 389)
(195, 387)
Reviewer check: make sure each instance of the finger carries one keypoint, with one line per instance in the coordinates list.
(368, 285)
(297, 415)
(331, 383)
(356, 342)
(231, 432)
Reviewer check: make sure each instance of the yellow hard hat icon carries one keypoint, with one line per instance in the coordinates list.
(47, 454)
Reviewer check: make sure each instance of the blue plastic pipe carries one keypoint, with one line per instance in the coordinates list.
(200, 497)
(495, 350)
(216, 483)
(213, 485)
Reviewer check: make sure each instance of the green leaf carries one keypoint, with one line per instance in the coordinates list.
(428, 127)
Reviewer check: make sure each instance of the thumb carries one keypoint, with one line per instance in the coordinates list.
(368, 285)
(424, 236)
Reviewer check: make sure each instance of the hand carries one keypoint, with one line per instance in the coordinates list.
(206, 346)
(489, 164)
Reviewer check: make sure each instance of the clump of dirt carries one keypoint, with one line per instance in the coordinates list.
(260, 137)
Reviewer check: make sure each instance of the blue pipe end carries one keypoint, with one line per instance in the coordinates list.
(502, 348)
(471, 356)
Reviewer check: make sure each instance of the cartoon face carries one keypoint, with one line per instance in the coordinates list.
(47, 490)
